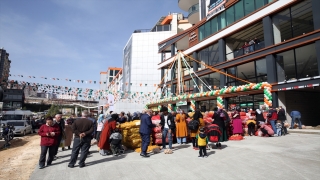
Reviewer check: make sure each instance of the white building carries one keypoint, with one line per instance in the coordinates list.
(140, 59)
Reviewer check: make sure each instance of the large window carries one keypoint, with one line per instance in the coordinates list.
(234, 13)
(209, 55)
(293, 22)
(254, 72)
(297, 63)
(211, 80)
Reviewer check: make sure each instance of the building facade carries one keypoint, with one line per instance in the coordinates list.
(4, 66)
(274, 41)
(140, 56)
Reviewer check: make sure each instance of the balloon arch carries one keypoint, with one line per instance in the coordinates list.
(266, 87)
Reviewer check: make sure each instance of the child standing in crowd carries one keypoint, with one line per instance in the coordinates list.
(279, 128)
(115, 142)
(202, 143)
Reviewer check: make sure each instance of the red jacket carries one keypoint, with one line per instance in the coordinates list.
(49, 140)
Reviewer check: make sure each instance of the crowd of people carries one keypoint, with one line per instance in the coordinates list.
(186, 127)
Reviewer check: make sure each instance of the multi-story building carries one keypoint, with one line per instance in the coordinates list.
(4, 66)
(140, 55)
(274, 41)
(115, 85)
(103, 80)
(111, 73)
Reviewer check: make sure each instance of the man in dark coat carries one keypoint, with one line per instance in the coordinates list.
(60, 122)
(167, 125)
(82, 129)
(282, 117)
(145, 131)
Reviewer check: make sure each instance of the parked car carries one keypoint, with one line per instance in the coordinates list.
(39, 123)
(22, 127)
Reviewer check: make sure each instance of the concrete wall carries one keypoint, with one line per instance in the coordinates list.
(307, 102)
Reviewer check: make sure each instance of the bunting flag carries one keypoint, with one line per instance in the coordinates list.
(57, 79)
(92, 94)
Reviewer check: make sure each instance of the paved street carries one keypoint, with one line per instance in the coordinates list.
(295, 156)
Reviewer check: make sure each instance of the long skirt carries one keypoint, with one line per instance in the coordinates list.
(224, 135)
(69, 135)
(237, 126)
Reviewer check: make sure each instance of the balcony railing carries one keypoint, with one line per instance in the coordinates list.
(245, 50)
(193, 9)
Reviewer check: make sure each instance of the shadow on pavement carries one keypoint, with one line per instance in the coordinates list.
(210, 153)
(105, 159)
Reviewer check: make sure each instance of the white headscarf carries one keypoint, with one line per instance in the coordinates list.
(258, 111)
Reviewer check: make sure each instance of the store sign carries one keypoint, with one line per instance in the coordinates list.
(215, 7)
(193, 36)
(182, 103)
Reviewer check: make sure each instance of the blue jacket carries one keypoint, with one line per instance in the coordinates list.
(295, 113)
(146, 124)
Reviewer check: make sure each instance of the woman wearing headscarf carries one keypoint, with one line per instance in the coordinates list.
(100, 124)
(181, 127)
(237, 122)
(193, 133)
(108, 128)
(68, 132)
(218, 117)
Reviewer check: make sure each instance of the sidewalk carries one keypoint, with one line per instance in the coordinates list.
(305, 131)
(294, 156)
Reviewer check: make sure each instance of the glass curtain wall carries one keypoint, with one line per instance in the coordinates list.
(241, 9)
(209, 55)
(297, 63)
(292, 22)
(254, 72)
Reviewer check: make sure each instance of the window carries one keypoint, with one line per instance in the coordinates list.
(213, 54)
(249, 6)
(293, 22)
(286, 69)
(111, 73)
(214, 25)
(259, 3)
(230, 15)
(116, 72)
(231, 71)
(207, 29)
(110, 79)
(302, 18)
(306, 60)
(238, 8)
(246, 71)
(222, 20)
(261, 70)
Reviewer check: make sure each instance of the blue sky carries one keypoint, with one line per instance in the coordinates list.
(74, 39)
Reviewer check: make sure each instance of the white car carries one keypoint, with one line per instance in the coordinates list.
(21, 127)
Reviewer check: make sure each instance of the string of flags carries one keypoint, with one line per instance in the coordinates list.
(128, 96)
(84, 81)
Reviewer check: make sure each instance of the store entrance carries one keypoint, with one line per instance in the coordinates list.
(246, 102)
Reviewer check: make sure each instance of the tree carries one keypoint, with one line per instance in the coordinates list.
(54, 109)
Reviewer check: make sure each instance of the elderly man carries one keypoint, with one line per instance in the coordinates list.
(60, 122)
(82, 129)
(145, 131)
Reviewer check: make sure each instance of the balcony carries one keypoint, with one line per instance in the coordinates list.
(186, 4)
(245, 50)
(193, 16)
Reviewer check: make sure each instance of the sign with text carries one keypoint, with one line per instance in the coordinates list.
(182, 103)
(193, 38)
(215, 7)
